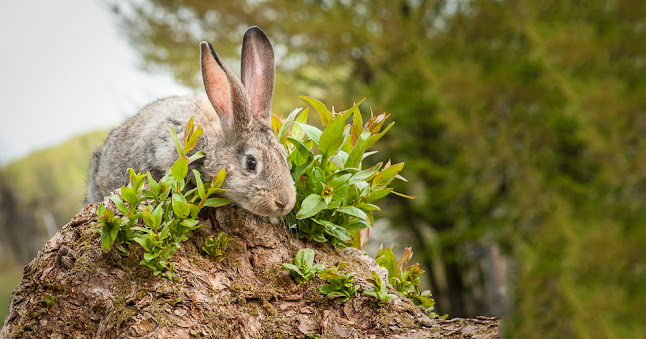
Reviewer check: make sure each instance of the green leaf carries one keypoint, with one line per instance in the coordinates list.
(191, 224)
(119, 204)
(301, 148)
(142, 229)
(324, 114)
(388, 260)
(290, 267)
(200, 184)
(174, 136)
(149, 219)
(284, 130)
(165, 191)
(100, 210)
(368, 207)
(192, 141)
(327, 224)
(163, 234)
(141, 240)
(297, 132)
(340, 158)
(378, 194)
(353, 211)
(150, 256)
(136, 179)
(316, 178)
(338, 179)
(316, 268)
(304, 151)
(357, 225)
(130, 196)
(195, 210)
(353, 109)
(188, 131)
(158, 214)
(216, 202)
(403, 195)
(311, 131)
(275, 123)
(196, 156)
(213, 190)
(219, 178)
(107, 238)
(318, 237)
(339, 233)
(180, 207)
(339, 194)
(180, 168)
(304, 257)
(326, 289)
(357, 125)
(355, 156)
(383, 178)
(154, 185)
(336, 295)
(332, 136)
(310, 206)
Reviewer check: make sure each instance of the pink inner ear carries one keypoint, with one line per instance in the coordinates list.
(254, 89)
(216, 85)
(220, 94)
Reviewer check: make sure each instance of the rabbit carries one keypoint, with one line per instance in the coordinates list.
(236, 118)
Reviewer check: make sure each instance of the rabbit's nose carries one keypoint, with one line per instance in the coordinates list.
(281, 205)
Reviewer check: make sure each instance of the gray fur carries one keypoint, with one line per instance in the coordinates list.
(235, 127)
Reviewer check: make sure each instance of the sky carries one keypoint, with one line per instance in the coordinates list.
(64, 71)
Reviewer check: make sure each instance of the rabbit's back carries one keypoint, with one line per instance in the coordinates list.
(143, 143)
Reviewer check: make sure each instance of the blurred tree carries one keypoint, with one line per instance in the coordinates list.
(42, 192)
(521, 122)
(15, 224)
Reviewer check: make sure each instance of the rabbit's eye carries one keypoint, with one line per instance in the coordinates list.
(251, 164)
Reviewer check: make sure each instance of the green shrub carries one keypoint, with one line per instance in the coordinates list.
(169, 209)
(335, 195)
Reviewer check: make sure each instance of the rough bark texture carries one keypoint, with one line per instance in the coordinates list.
(73, 289)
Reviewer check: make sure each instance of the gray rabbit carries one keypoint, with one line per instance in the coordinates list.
(236, 117)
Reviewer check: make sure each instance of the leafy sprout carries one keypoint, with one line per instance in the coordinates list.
(340, 284)
(378, 291)
(216, 246)
(303, 267)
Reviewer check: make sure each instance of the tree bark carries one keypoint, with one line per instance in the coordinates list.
(73, 289)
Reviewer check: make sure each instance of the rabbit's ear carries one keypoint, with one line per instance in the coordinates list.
(258, 72)
(223, 89)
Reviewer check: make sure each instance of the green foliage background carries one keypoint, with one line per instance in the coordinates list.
(48, 183)
(522, 124)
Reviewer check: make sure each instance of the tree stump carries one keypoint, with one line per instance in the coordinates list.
(72, 289)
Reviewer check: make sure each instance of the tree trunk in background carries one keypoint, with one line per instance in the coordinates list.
(19, 229)
(73, 289)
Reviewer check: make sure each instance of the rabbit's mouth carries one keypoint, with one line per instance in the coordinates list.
(278, 209)
(269, 208)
